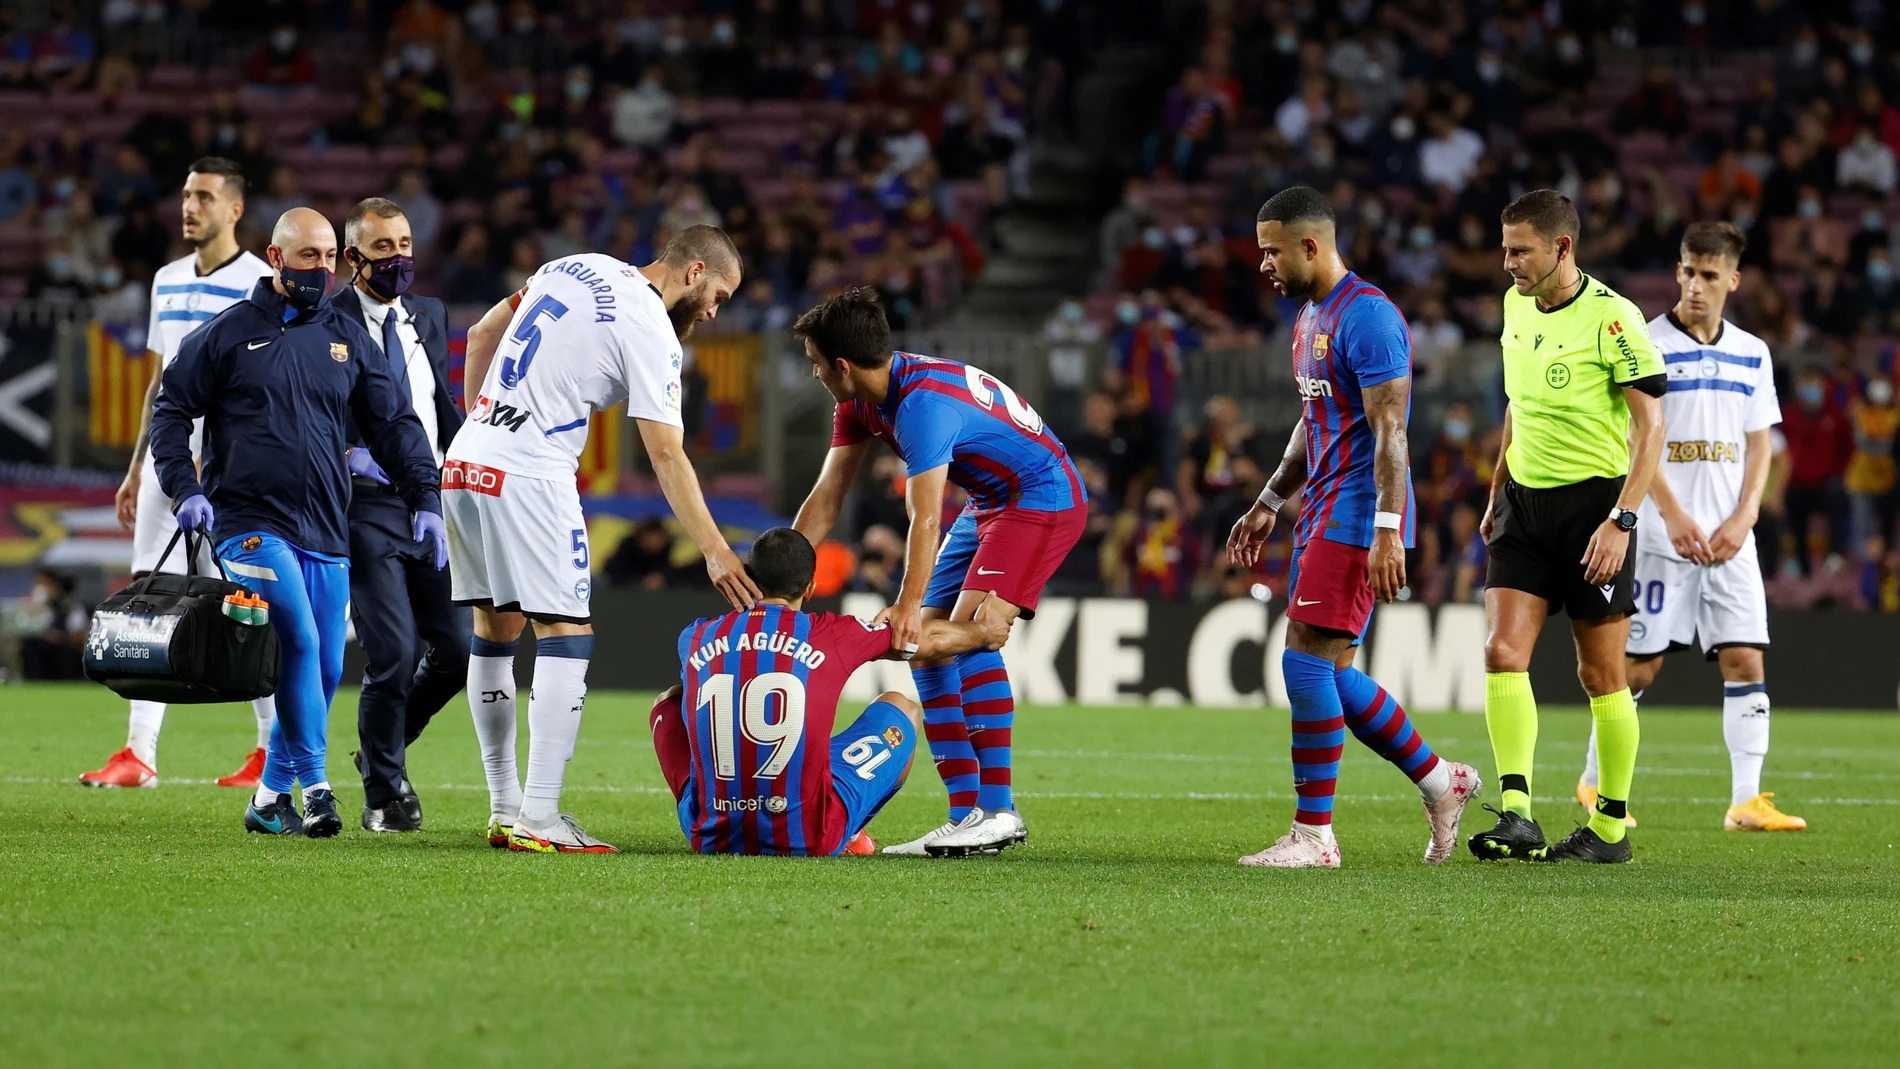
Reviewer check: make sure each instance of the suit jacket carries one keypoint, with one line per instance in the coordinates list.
(432, 323)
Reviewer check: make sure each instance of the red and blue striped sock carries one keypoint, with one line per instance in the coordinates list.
(1380, 722)
(940, 689)
(1319, 735)
(989, 708)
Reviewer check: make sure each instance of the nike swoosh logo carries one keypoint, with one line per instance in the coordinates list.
(989, 571)
(257, 344)
(273, 825)
(1303, 601)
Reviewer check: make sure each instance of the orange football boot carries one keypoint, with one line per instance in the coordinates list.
(122, 769)
(248, 776)
(861, 845)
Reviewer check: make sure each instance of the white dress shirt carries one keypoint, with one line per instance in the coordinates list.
(415, 361)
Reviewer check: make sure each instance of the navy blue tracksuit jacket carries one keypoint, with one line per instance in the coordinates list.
(278, 396)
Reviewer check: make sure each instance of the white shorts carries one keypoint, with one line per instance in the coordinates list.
(154, 527)
(1678, 602)
(516, 544)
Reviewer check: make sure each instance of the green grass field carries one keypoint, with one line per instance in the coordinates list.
(144, 928)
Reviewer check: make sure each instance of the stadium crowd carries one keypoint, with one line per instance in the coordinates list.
(839, 143)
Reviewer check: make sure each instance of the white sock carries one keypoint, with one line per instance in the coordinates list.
(147, 718)
(322, 785)
(491, 699)
(265, 709)
(1590, 757)
(1319, 833)
(554, 723)
(265, 797)
(1436, 782)
(1745, 729)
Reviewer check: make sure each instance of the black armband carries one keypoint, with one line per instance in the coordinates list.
(1653, 385)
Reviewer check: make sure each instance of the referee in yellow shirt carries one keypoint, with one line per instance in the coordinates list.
(1578, 369)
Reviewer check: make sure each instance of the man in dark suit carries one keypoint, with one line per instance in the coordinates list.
(415, 638)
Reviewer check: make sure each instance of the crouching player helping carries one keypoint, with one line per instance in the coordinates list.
(1352, 356)
(950, 423)
(1717, 417)
(747, 745)
(517, 537)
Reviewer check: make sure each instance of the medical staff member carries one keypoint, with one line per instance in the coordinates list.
(277, 379)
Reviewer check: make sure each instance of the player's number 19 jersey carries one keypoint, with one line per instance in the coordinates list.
(588, 331)
(1719, 393)
(760, 695)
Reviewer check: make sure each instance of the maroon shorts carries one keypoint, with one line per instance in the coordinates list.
(1330, 586)
(1011, 552)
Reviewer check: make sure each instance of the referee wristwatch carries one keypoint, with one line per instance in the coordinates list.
(1625, 519)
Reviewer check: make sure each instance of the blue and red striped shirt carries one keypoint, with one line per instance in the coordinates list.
(1352, 339)
(941, 412)
(760, 696)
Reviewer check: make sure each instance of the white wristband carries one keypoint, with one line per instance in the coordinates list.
(1388, 521)
(1271, 500)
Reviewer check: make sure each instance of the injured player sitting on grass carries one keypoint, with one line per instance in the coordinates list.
(746, 741)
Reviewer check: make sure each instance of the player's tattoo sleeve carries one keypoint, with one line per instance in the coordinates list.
(1386, 405)
(1291, 474)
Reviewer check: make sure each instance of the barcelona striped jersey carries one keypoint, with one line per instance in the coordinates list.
(1349, 341)
(941, 412)
(760, 696)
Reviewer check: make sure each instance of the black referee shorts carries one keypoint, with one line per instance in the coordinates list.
(1538, 538)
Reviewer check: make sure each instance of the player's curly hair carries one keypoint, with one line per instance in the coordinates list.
(782, 562)
(850, 326)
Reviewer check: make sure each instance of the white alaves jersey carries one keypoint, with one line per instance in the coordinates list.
(183, 300)
(588, 332)
(1718, 394)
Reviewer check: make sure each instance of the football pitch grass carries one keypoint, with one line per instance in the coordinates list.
(144, 928)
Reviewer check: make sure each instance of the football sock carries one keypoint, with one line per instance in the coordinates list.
(1510, 714)
(265, 709)
(1377, 719)
(989, 712)
(265, 797)
(940, 690)
(142, 739)
(491, 699)
(1319, 734)
(1617, 735)
(1590, 775)
(554, 721)
(1745, 729)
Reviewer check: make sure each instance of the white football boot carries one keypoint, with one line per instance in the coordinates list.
(558, 836)
(920, 847)
(1295, 850)
(988, 834)
(1444, 813)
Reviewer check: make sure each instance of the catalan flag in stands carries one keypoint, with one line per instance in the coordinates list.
(119, 373)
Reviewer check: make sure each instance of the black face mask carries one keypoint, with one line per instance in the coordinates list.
(305, 289)
(389, 277)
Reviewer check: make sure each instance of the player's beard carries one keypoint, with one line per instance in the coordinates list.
(686, 311)
(207, 233)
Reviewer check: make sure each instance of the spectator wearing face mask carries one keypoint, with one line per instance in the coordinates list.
(1070, 338)
(1161, 555)
(1865, 163)
(1820, 444)
(1881, 293)
(1451, 465)
(1870, 471)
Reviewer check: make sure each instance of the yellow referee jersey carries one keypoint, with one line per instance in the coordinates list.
(1564, 373)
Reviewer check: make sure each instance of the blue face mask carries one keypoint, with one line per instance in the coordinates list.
(1128, 312)
(305, 289)
(1812, 394)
